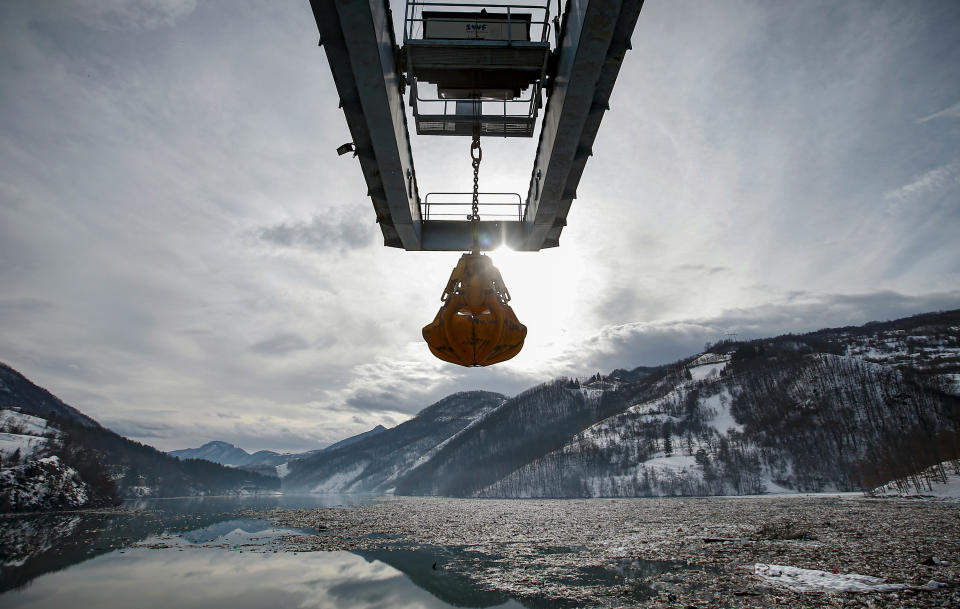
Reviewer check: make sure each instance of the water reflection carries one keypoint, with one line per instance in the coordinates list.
(204, 578)
(425, 567)
(200, 553)
(32, 545)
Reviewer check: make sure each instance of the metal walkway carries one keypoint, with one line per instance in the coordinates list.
(359, 41)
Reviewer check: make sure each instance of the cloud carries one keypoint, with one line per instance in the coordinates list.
(12, 310)
(132, 14)
(319, 234)
(933, 181)
(702, 268)
(143, 429)
(411, 379)
(281, 344)
(951, 112)
(659, 342)
(178, 236)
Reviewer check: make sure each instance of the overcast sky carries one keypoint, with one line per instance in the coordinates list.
(184, 257)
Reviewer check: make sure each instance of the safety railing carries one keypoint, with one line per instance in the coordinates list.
(457, 206)
(438, 116)
(502, 21)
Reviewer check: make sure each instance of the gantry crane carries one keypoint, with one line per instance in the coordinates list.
(474, 70)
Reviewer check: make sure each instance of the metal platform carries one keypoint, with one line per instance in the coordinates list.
(455, 206)
(513, 118)
(492, 126)
(476, 47)
(520, 64)
(472, 54)
(359, 41)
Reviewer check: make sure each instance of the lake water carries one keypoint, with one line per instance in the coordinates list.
(196, 552)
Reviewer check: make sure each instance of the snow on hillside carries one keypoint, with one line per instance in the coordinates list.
(23, 435)
(42, 484)
(342, 481)
(708, 365)
(941, 481)
(722, 420)
(18, 444)
(31, 480)
(797, 413)
(12, 421)
(671, 463)
(928, 348)
(687, 441)
(481, 413)
(953, 383)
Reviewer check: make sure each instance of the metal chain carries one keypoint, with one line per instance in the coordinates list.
(476, 155)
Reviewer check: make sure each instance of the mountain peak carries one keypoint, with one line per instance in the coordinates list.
(462, 403)
(217, 451)
(218, 444)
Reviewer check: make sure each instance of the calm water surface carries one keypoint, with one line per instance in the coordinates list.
(197, 552)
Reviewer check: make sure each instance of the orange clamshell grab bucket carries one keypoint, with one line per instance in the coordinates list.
(475, 326)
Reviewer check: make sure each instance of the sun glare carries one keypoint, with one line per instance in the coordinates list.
(547, 296)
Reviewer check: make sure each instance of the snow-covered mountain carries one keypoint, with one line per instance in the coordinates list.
(352, 439)
(264, 461)
(837, 409)
(31, 478)
(42, 484)
(374, 463)
(229, 454)
(22, 436)
(17, 393)
(55, 456)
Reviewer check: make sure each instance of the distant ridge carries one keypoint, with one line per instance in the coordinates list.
(232, 455)
(130, 468)
(17, 392)
(223, 453)
(356, 438)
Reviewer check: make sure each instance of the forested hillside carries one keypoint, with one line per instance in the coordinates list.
(73, 461)
(838, 409)
(374, 463)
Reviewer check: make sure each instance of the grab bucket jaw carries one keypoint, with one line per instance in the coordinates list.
(475, 326)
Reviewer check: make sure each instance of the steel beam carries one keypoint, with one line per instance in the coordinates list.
(457, 236)
(358, 38)
(594, 39)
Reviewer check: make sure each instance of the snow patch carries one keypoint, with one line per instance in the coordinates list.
(775, 489)
(436, 449)
(340, 481)
(27, 445)
(953, 383)
(19, 423)
(282, 470)
(674, 463)
(591, 394)
(706, 371)
(723, 420)
(931, 484)
(812, 580)
(710, 358)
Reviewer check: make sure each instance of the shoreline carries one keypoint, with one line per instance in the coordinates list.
(658, 552)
